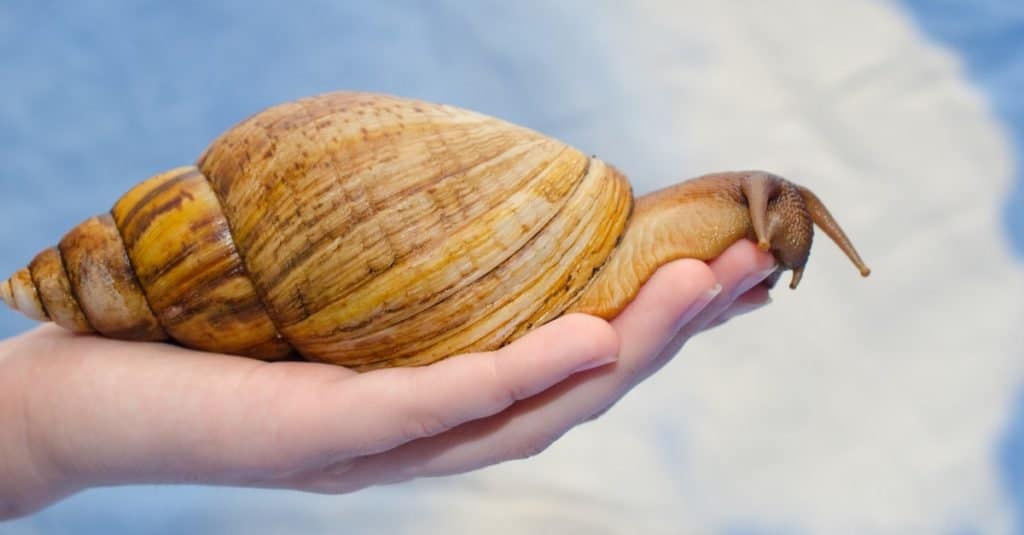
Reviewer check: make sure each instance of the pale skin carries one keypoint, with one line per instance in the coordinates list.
(81, 411)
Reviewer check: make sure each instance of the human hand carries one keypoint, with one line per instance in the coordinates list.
(82, 411)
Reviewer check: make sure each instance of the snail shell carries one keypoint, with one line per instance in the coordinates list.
(369, 231)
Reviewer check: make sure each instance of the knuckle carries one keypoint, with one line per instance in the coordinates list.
(420, 418)
(503, 394)
(423, 425)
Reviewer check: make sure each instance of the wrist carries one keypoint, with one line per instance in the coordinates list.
(29, 476)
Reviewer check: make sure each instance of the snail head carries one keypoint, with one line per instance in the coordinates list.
(782, 216)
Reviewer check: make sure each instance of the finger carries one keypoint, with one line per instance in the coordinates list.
(737, 308)
(411, 403)
(127, 413)
(675, 293)
(755, 297)
(740, 268)
(749, 301)
(660, 310)
(310, 425)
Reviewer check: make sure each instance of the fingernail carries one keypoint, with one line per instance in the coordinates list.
(709, 295)
(596, 363)
(712, 292)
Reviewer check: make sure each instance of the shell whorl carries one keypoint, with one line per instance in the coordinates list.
(357, 229)
(381, 231)
(160, 265)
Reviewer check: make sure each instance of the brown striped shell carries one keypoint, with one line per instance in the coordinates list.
(357, 229)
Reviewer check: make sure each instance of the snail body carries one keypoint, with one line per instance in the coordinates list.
(371, 231)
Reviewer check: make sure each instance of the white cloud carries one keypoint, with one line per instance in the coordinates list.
(849, 406)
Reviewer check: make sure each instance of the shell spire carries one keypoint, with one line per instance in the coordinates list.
(20, 293)
(161, 265)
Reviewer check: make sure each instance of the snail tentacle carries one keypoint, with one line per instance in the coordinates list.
(823, 218)
(758, 189)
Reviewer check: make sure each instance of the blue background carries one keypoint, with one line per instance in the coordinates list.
(989, 36)
(97, 95)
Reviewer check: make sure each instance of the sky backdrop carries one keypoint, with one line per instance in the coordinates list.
(887, 405)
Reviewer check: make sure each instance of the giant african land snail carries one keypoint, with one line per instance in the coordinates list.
(371, 231)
